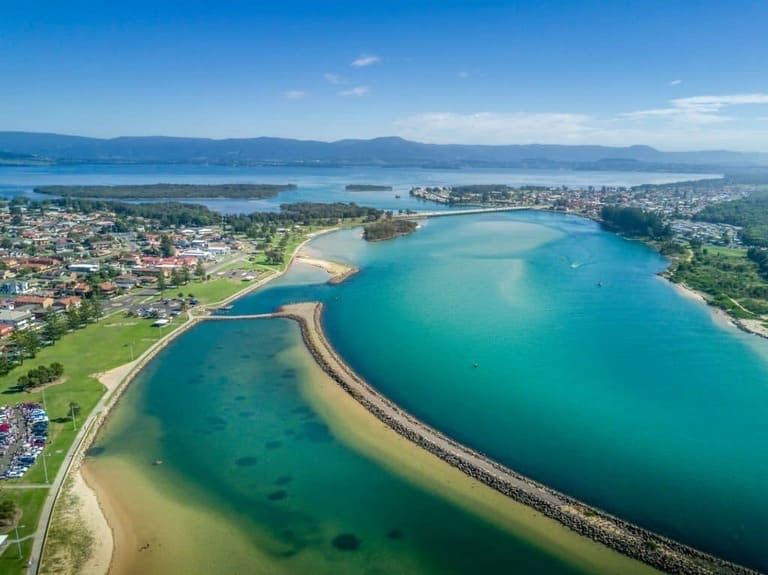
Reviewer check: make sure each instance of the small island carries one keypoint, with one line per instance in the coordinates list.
(367, 188)
(387, 229)
(157, 191)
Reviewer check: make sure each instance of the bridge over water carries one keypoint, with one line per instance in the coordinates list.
(443, 213)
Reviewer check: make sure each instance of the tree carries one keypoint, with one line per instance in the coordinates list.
(6, 365)
(53, 328)
(57, 369)
(31, 342)
(200, 270)
(177, 277)
(161, 285)
(166, 246)
(97, 308)
(73, 317)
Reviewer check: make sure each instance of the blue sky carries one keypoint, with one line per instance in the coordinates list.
(675, 75)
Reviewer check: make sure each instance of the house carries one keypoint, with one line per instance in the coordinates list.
(35, 301)
(15, 319)
(14, 287)
(83, 268)
(125, 282)
(108, 289)
(67, 303)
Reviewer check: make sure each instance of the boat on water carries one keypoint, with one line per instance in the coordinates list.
(226, 308)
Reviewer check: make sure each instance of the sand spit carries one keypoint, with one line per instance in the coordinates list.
(338, 271)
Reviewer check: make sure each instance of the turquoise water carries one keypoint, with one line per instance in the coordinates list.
(222, 406)
(314, 184)
(594, 376)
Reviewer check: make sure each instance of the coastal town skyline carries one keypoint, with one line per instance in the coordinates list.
(674, 77)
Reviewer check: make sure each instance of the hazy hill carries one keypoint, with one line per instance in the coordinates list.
(378, 151)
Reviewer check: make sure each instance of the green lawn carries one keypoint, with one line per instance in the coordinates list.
(728, 252)
(31, 502)
(85, 352)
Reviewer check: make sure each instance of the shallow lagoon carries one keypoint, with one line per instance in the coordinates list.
(594, 375)
(256, 479)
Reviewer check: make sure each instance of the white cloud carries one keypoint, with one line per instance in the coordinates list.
(463, 74)
(365, 60)
(496, 128)
(334, 79)
(295, 94)
(675, 82)
(356, 91)
(715, 103)
(698, 109)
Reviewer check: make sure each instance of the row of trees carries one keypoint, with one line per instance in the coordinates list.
(25, 343)
(262, 224)
(41, 375)
(635, 222)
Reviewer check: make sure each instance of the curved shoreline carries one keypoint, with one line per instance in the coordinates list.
(622, 536)
(631, 540)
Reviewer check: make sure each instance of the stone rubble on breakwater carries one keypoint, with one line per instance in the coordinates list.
(631, 540)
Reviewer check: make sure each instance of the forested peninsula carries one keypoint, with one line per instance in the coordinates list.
(156, 191)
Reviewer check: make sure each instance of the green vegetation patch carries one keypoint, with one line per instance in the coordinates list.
(388, 228)
(750, 213)
(729, 277)
(634, 222)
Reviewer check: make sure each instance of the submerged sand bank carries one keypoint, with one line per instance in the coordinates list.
(620, 535)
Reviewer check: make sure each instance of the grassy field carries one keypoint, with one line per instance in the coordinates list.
(84, 353)
(31, 502)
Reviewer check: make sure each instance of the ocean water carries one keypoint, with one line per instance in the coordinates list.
(593, 375)
(224, 408)
(314, 184)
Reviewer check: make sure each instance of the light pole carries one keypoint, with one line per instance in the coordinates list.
(18, 541)
(44, 407)
(72, 411)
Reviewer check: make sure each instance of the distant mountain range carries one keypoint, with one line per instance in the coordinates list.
(30, 147)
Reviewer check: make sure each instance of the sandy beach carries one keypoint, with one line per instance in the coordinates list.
(752, 326)
(338, 271)
(93, 516)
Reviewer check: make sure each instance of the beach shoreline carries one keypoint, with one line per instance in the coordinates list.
(750, 326)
